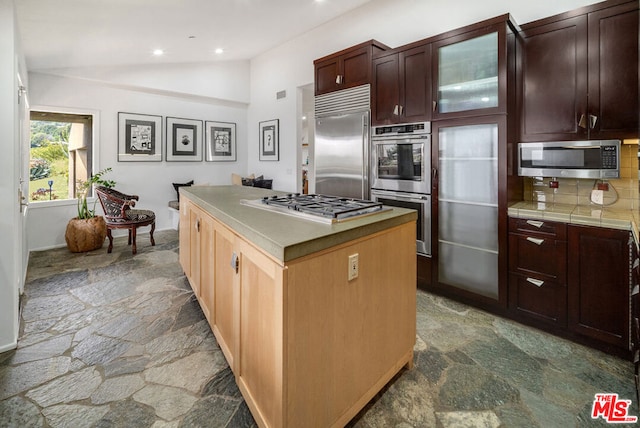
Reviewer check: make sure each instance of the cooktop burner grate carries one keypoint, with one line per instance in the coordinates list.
(332, 207)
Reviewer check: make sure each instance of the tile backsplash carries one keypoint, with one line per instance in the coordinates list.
(622, 194)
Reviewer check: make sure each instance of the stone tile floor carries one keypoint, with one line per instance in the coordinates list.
(115, 340)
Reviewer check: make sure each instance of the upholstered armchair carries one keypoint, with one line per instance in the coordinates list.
(119, 214)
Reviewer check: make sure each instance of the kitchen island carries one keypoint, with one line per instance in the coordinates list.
(309, 340)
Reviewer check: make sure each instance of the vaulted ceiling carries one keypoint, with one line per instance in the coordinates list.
(79, 33)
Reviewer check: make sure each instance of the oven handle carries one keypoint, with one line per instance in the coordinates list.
(401, 137)
(398, 195)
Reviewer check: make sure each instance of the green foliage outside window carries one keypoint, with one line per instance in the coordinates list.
(49, 160)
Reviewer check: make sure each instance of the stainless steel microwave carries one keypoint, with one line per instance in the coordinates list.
(598, 159)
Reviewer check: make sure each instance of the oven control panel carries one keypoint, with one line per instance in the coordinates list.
(407, 128)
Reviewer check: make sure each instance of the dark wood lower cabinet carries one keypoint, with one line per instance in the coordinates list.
(538, 271)
(599, 284)
(424, 272)
(539, 300)
(635, 331)
(542, 257)
(577, 282)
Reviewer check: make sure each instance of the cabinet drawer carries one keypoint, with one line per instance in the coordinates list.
(536, 255)
(538, 299)
(538, 227)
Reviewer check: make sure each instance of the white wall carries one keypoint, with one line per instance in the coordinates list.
(150, 180)
(220, 91)
(10, 224)
(392, 22)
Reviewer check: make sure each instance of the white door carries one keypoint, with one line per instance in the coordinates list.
(11, 228)
(23, 180)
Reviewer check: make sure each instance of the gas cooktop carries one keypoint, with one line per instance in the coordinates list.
(324, 208)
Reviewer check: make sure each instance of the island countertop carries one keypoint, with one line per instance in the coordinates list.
(283, 236)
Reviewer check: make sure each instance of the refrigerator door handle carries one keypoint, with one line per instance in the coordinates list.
(365, 157)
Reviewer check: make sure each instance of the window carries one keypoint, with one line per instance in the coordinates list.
(60, 154)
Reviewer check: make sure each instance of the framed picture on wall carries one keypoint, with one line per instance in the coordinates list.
(220, 141)
(269, 144)
(139, 137)
(184, 140)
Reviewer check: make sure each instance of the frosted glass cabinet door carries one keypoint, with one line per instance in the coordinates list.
(468, 157)
(468, 74)
(468, 208)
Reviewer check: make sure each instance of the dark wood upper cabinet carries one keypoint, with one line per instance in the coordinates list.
(579, 76)
(402, 86)
(613, 72)
(554, 84)
(471, 70)
(347, 68)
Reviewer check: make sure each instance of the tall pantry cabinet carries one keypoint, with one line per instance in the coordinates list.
(473, 82)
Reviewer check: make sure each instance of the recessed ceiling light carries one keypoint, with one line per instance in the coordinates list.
(192, 37)
(219, 51)
(158, 52)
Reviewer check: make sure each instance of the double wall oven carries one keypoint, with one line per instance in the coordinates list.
(401, 173)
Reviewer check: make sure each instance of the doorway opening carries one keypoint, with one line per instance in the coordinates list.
(306, 133)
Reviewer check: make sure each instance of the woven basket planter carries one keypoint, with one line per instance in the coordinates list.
(84, 235)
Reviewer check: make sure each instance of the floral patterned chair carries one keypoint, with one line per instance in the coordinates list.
(119, 215)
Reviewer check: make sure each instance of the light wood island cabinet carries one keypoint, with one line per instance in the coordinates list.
(307, 346)
(225, 301)
(197, 231)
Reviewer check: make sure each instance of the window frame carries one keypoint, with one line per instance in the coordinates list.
(95, 145)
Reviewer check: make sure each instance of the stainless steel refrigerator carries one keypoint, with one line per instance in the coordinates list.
(342, 139)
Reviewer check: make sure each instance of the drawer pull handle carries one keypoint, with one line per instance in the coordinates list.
(534, 223)
(536, 241)
(535, 282)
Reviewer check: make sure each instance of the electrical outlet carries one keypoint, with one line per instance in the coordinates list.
(597, 196)
(353, 266)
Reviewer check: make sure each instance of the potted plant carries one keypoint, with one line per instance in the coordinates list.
(87, 231)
